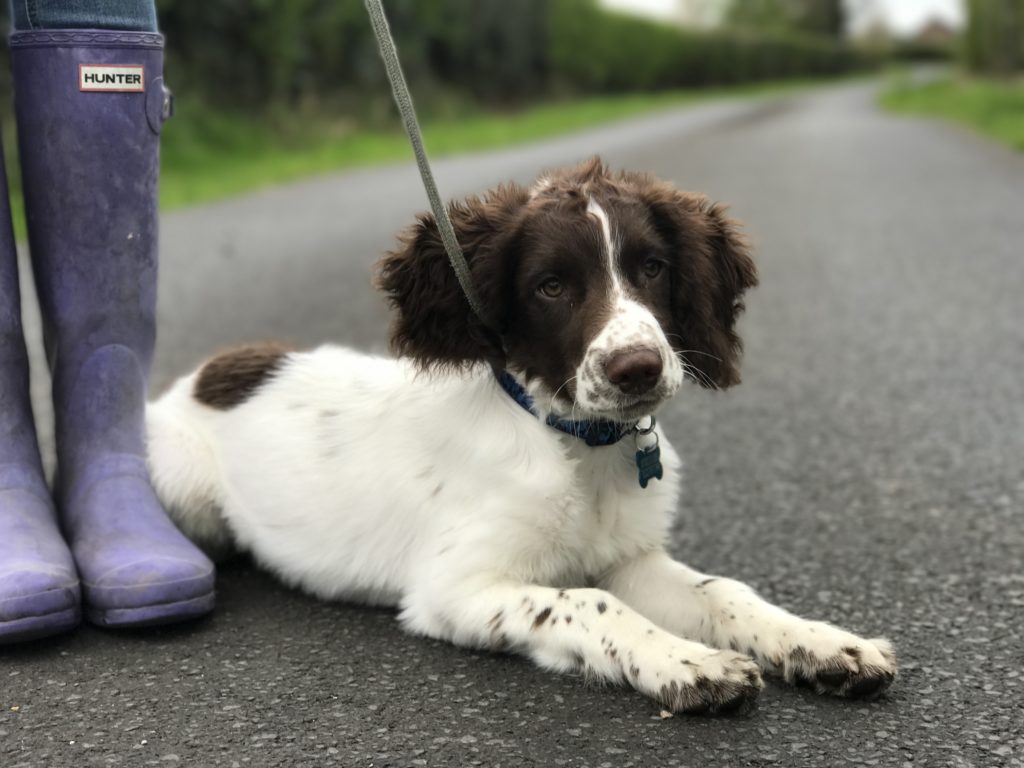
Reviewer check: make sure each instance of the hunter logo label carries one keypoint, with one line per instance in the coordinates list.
(112, 78)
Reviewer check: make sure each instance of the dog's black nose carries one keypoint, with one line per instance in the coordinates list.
(634, 371)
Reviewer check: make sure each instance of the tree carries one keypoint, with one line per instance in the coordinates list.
(994, 43)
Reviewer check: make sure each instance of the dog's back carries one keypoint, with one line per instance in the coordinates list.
(333, 466)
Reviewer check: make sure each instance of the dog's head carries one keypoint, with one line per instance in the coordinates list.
(602, 290)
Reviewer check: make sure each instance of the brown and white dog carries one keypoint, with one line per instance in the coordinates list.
(489, 483)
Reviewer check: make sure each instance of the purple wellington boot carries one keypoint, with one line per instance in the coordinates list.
(90, 105)
(38, 582)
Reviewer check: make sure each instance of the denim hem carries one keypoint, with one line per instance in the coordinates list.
(126, 15)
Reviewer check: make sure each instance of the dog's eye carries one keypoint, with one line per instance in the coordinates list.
(552, 288)
(653, 267)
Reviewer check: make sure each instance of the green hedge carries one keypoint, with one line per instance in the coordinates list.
(260, 53)
(592, 49)
(250, 53)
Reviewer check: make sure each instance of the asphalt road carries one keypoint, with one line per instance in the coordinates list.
(869, 471)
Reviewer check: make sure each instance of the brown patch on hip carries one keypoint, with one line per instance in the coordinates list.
(232, 377)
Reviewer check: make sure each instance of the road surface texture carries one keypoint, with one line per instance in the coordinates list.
(869, 471)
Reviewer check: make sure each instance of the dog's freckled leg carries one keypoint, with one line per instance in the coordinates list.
(541, 618)
(817, 654)
(619, 644)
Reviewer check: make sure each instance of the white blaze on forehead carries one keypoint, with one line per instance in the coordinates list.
(598, 212)
(630, 325)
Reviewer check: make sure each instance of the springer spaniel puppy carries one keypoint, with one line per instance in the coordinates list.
(509, 488)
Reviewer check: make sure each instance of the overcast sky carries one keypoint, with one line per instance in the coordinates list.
(902, 16)
(907, 16)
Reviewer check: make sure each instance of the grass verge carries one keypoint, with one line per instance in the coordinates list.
(994, 108)
(209, 154)
(216, 155)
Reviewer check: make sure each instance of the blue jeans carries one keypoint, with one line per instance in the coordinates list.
(134, 15)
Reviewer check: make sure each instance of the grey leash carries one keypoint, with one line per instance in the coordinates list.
(404, 103)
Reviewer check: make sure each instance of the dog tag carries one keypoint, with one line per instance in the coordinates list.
(648, 464)
(648, 454)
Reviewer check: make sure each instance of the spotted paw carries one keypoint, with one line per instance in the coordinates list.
(854, 667)
(720, 682)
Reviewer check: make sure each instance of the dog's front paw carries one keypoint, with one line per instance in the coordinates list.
(698, 680)
(837, 662)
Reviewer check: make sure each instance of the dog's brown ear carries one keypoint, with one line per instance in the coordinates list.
(711, 271)
(435, 324)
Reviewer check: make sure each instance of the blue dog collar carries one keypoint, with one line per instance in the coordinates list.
(594, 432)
